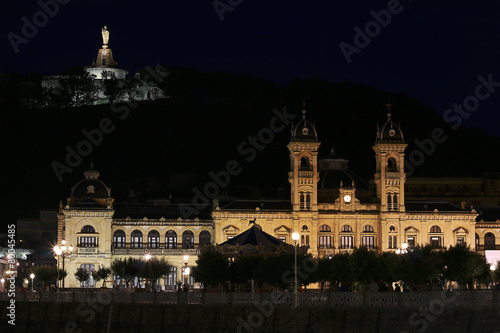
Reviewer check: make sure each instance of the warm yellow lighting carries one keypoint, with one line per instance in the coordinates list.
(187, 270)
(186, 257)
(32, 275)
(63, 242)
(147, 256)
(493, 267)
(295, 236)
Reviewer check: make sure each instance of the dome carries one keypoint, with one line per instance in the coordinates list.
(334, 173)
(305, 130)
(91, 187)
(389, 132)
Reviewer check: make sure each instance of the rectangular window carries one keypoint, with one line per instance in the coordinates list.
(436, 241)
(283, 238)
(390, 242)
(87, 242)
(411, 241)
(171, 279)
(460, 241)
(368, 242)
(325, 242)
(90, 282)
(346, 242)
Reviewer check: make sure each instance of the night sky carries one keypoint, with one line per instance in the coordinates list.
(440, 52)
(431, 50)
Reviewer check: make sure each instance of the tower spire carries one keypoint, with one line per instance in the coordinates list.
(389, 106)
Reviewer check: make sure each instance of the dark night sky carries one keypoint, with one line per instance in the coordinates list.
(431, 50)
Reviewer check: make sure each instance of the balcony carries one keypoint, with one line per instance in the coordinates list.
(392, 175)
(305, 174)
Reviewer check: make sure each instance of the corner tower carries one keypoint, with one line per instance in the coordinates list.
(390, 176)
(303, 175)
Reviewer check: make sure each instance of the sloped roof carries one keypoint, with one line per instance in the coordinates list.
(253, 236)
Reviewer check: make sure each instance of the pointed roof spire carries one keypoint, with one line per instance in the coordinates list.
(304, 106)
(389, 106)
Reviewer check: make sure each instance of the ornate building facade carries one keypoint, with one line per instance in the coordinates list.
(332, 209)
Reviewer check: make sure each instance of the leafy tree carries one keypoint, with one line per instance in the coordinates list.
(340, 270)
(323, 272)
(128, 269)
(362, 265)
(463, 264)
(45, 274)
(101, 274)
(113, 88)
(155, 269)
(421, 264)
(82, 275)
(212, 269)
(62, 274)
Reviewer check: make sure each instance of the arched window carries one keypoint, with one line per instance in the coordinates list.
(205, 237)
(304, 164)
(368, 241)
(435, 229)
(489, 241)
(305, 200)
(325, 228)
(346, 242)
(392, 166)
(88, 229)
(435, 240)
(136, 239)
(87, 241)
(346, 228)
(187, 240)
(119, 239)
(305, 228)
(171, 239)
(477, 242)
(103, 61)
(325, 241)
(153, 239)
(368, 228)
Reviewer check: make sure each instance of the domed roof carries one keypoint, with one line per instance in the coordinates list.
(91, 187)
(389, 132)
(334, 173)
(305, 130)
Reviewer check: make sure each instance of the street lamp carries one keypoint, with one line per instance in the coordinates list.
(492, 270)
(147, 256)
(63, 252)
(403, 249)
(295, 237)
(32, 276)
(187, 270)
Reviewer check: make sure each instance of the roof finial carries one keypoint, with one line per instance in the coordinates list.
(304, 105)
(389, 106)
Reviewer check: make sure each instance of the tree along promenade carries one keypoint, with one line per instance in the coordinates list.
(451, 299)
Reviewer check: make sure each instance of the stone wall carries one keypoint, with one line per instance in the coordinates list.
(47, 317)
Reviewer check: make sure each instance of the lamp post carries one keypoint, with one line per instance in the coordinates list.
(492, 270)
(32, 276)
(295, 237)
(63, 252)
(187, 270)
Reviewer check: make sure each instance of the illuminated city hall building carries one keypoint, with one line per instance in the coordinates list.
(332, 209)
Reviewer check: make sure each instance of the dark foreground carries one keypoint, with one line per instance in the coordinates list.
(50, 317)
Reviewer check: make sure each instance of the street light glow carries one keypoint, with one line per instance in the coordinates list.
(32, 275)
(493, 267)
(186, 257)
(295, 236)
(147, 256)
